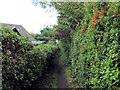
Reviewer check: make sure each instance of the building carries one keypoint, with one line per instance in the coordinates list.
(20, 30)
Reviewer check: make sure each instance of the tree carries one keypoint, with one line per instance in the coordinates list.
(45, 31)
(45, 35)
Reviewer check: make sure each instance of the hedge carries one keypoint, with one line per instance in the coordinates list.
(22, 62)
(91, 46)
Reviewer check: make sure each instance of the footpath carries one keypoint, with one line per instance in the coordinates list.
(61, 79)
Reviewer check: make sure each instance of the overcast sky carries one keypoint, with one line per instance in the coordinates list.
(23, 12)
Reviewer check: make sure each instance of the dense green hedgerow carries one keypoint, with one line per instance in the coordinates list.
(91, 49)
(22, 62)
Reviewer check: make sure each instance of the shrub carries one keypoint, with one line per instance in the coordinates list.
(23, 63)
(91, 48)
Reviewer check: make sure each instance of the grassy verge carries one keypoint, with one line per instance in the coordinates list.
(70, 80)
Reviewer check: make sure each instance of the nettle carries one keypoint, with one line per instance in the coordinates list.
(91, 47)
(22, 62)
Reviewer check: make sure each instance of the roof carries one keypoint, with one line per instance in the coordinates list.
(22, 31)
(38, 42)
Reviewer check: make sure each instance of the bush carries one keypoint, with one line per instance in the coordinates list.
(91, 48)
(23, 63)
(43, 38)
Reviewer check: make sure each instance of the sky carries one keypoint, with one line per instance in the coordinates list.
(23, 12)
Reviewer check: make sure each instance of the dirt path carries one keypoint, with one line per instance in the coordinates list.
(61, 80)
(55, 75)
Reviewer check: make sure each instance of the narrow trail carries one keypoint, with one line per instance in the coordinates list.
(48, 78)
(61, 79)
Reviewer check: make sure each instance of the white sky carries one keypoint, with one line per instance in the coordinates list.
(23, 12)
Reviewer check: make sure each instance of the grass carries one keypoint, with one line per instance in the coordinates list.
(70, 81)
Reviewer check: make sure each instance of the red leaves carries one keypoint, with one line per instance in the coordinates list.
(81, 30)
(101, 13)
(68, 16)
(94, 20)
(109, 10)
(101, 8)
(113, 87)
(94, 5)
(95, 60)
(95, 15)
(100, 18)
(81, 46)
(96, 34)
(107, 36)
(91, 29)
(93, 24)
(84, 27)
(98, 11)
(104, 7)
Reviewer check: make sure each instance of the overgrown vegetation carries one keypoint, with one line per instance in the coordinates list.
(23, 63)
(89, 41)
(45, 34)
(89, 38)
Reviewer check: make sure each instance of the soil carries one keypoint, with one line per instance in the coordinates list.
(61, 79)
(54, 76)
